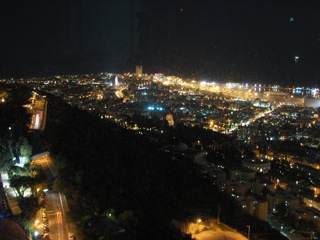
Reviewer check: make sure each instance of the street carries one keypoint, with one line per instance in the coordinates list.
(56, 205)
(280, 226)
(213, 229)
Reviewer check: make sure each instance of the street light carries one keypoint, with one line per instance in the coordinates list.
(198, 222)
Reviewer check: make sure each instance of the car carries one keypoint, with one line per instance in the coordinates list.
(45, 230)
(71, 236)
(42, 196)
(46, 236)
(45, 220)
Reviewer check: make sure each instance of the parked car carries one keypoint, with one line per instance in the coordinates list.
(45, 230)
(45, 220)
(71, 236)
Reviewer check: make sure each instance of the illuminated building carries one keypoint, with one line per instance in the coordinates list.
(276, 198)
(308, 214)
(257, 165)
(241, 174)
(234, 188)
(243, 133)
(182, 151)
(5, 210)
(254, 207)
(316, 191)
(216, 173)
(312, 202)
(312, 102)
(257, 185)
(258, 103)
(169, 118)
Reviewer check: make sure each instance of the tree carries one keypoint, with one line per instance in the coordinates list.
(128, 220)
(18, 171)
(6, 155)
(39, 182)
(29, 207)
(20, 184)
(25, 149)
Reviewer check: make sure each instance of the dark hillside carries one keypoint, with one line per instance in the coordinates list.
(105, 167)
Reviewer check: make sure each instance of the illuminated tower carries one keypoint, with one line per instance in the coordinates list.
(139, 70)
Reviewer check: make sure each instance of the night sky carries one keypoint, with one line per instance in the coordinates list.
(238, 40)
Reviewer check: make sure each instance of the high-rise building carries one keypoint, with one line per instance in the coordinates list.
(116, 81)
(254, 207)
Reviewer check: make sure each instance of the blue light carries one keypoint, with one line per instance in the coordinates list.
(151, 108)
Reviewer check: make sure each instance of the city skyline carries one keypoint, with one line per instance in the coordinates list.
(255, 146)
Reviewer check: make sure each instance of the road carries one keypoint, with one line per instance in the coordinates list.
(56, 205)
(225, 235)
(212, 229)
(281, 227)
(38, 110)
